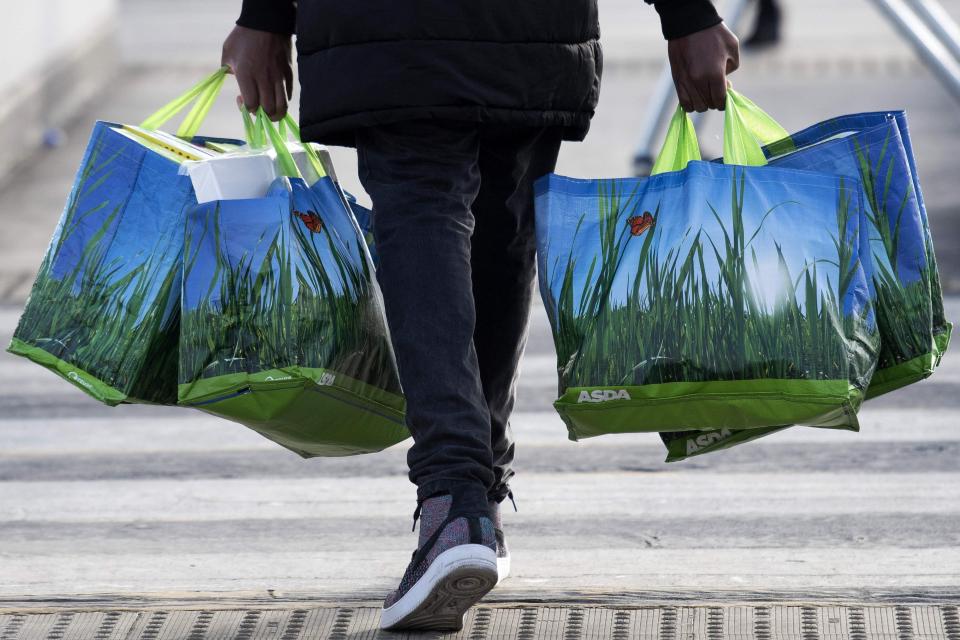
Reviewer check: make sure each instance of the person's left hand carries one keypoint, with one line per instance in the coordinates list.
(700, 63)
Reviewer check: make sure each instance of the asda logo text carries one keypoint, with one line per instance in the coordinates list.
(75, 377)
(603, 395)
(707, 439)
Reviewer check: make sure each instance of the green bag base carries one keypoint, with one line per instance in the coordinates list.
(312, 412)
(684, 406)
(914, 370)
(692, 445)
(942, 341)
(883, 381)
(81, 379)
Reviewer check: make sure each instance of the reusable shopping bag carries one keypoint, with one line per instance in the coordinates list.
(315, 163)
(282, 325)
(905, 283)
(103, 310)
(909, 299)
(364, 218)
(243, 174)
(710, 296)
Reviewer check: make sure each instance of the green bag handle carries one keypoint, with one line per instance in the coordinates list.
(255, 135)
(288, 122)
(260, 132)
(201, 108)
(285, 160)
(204, 93)
(746, 127)
(763, 127)
(679, 147)
(294, 129)
(287, 128)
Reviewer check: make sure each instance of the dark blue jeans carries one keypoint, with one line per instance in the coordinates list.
(454, 229)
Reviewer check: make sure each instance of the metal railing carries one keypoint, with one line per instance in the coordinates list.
(932, 32)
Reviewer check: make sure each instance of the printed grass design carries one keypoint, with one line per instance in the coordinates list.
(677, 323)
(114, 330)
(904, 311)
(284, 312)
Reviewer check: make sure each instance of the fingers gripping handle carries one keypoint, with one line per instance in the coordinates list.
(746, 128)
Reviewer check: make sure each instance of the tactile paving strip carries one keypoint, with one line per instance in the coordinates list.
(515, 622)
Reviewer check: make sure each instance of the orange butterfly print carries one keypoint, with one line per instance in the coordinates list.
(310, 219)
(639, 224)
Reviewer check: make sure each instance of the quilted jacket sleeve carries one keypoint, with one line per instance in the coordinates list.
(680, 18)
(276, 16)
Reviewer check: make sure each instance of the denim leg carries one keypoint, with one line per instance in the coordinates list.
(423, 177)
(504, 272)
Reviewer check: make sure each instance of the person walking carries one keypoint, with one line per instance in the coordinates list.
(766, 27)
(455, 109)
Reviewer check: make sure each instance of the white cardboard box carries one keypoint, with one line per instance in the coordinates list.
(231, 177)
(241, 175)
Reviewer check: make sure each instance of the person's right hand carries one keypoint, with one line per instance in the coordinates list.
(700, 63)
(261, 62)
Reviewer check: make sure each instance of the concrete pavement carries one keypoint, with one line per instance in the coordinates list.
(162, 500)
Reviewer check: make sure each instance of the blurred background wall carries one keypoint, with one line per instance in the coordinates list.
(57, 55)
(131, 56)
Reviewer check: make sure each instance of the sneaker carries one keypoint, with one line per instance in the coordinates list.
(503, 553)
(454, 566)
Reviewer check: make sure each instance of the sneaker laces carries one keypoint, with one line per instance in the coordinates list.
(416, 514)
(419, 509)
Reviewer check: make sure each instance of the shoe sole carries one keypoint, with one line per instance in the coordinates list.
(503, 568)
(455, 581)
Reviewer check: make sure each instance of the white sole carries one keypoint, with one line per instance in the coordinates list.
(503, 569)
(455, 581)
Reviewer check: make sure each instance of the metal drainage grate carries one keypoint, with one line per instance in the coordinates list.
(495, 622)
(951, 622)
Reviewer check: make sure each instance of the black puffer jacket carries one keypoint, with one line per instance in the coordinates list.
(527, 62)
